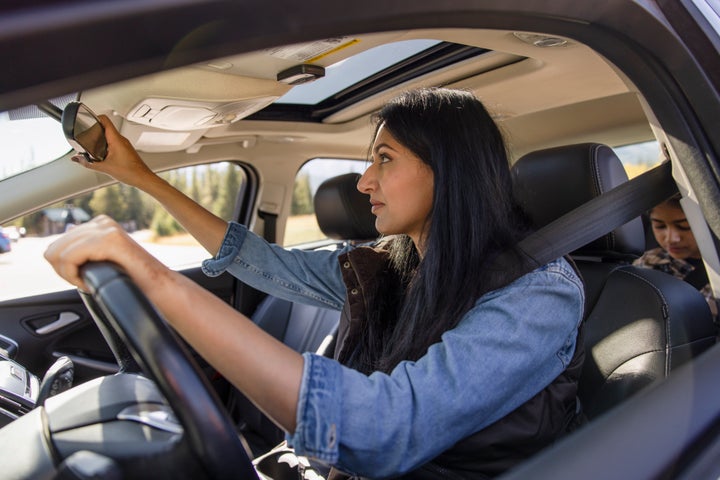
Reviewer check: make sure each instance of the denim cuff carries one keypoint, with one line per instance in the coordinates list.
(234, 238)
(318, 412)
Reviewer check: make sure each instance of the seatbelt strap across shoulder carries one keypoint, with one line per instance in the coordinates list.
(600, 215)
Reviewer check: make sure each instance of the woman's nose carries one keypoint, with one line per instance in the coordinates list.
(366, 182)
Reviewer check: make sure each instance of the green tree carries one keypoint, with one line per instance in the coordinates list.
(110, 201)
(178, 179)
(225, 203)
(135, 211)
(32, 222)
(302, 201)
(210, 187)
(195, 186)
(163, 224)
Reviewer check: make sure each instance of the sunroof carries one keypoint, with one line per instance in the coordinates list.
(342, 75)
(363, 76)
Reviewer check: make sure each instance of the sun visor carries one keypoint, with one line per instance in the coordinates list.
(171, 114)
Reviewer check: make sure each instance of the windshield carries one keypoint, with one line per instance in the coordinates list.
(30, 138)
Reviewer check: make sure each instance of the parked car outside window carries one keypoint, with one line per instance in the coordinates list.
(5, 245)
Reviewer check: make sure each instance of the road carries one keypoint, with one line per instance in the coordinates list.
(24, 271)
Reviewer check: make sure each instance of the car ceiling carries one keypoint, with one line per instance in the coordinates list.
(530, 90)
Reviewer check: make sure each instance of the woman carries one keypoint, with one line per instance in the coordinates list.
(448, 365)
(678, 253)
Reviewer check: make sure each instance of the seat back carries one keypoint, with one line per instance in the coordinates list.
(343, 214)
(640, 324)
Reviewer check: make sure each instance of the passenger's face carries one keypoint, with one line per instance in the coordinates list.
(400, 186)
(672, 232)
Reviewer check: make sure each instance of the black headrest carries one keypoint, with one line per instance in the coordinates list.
(342, 211)
(549, 183)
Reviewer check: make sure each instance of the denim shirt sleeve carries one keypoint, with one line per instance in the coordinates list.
(309, 277)
(509, 346)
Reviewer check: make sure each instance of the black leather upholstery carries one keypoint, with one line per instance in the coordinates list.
(342, 211)
(643, 325)
(343, 214)
(640, 323)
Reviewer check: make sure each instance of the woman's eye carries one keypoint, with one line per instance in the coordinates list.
(383, 159)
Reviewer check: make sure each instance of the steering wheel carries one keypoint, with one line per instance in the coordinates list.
(119, 306)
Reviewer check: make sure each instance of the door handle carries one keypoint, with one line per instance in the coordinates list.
(63, 320)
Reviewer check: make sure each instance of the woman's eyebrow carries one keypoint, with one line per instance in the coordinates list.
(381, 145)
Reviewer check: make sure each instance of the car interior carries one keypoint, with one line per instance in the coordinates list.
(578, 124)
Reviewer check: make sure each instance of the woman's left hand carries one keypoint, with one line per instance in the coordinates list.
(101, 239)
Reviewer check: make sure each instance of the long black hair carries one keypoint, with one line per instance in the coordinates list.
(474, 218)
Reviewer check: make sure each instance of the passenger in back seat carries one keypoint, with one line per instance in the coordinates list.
(448, 365)
(678, 253)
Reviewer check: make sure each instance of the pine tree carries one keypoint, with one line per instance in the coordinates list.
(135, 211)
(302, 201)
(110, 201)
(195, 187)
(229, 185)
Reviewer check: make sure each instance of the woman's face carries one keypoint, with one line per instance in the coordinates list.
(672, 232)
(400, 186)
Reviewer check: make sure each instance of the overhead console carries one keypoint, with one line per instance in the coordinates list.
(182, 115)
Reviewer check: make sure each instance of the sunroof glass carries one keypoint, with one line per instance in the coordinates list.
(353, 70)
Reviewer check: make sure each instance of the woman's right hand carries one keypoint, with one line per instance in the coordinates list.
(122, 162)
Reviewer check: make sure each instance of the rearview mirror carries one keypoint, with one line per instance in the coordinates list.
(84, 131)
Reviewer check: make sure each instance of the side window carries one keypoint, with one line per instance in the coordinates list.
(639, 157)
(302, 227)
(215, 186)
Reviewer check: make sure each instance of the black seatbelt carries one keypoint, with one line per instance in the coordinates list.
(270, 225)
(599, 216)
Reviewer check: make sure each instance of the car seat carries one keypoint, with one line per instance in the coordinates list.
(343, 214)
(640, 324)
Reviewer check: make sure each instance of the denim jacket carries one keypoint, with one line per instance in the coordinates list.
(522, 336)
